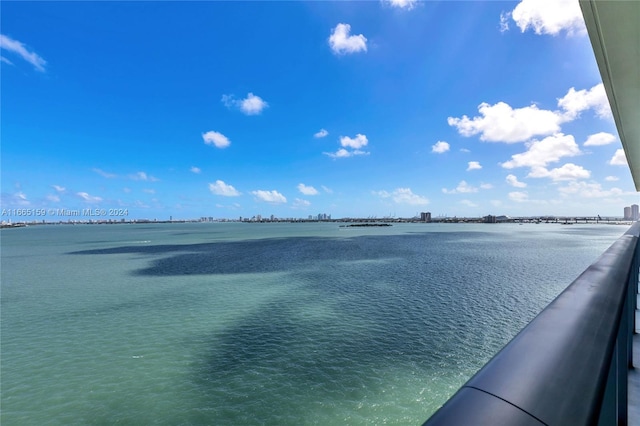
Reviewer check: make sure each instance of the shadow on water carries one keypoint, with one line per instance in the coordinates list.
(364, 309)
(388, 324)
(251, 256)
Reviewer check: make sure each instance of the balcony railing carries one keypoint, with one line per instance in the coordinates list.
(569, 366)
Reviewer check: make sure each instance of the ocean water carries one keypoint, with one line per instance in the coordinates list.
(270, 324)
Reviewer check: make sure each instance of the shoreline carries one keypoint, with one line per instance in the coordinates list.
(346, 222)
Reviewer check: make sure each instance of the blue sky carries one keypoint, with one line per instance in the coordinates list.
(354, 109)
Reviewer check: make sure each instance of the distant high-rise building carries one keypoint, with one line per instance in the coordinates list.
(425, 216)
(635, 213)
(490, 219)
(627, 213)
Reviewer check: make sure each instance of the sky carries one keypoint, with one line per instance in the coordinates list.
(352, 109)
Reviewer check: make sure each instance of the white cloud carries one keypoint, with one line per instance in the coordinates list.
(486, 186)
(5, 60)
(141, 205)
(221, 188)
(104, 174)
(58, 188)
(468, 203)
(307, 190)
(504, 21)
(518, 196)
(501, 123)
(88, 198)
(327, 190)
(53, 198)
(18, 199)
(577, 101)
(568, 171)
(601, 138)
(513, 181)
(343, 153)
(299, 203)
(356, 143)
(440, 147)
(341, 42)
(215, 138)
(612, 178)
(229, 101)
(618, 159)
(149, 191)
(234, 206)
(465, 150)
(321, 133)
(403, 196)
(273, 197)
(401, 4)
(251, 105)
(589, 190)
(126, 190)
(549, 16)
(406, 196)
(18, 48)
(139, 176)
(143, 177)
(195, 170)
(548, 150)
(462, 188)
(473, 165)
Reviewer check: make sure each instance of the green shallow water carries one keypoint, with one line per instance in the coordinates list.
(272, 324)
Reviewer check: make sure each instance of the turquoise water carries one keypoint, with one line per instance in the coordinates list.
(277, 324)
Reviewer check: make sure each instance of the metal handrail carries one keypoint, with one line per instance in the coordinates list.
(569, 365)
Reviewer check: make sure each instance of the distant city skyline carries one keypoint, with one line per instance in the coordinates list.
(357, 109)
(61, 216)
(632, 212)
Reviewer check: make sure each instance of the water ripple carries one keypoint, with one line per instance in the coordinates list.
(200, 328)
